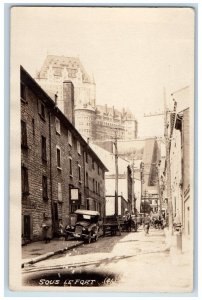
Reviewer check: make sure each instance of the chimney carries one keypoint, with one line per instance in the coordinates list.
(68, 99)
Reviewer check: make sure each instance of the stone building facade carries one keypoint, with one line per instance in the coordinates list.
(59, 170)
(96, 122)
(182, 202)
(182, 158)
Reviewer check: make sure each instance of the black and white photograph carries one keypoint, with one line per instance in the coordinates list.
(102, 149)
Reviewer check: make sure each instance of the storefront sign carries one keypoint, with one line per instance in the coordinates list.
(74, 194)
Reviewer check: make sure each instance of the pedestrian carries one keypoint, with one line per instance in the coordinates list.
(127, 220)
(147, 221)
(46, 230)
(61, 228)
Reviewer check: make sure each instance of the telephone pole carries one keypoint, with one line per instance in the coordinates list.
(133, 194)
(116, 174)
(168, 173)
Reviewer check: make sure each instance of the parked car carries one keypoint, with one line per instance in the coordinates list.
(87, 226)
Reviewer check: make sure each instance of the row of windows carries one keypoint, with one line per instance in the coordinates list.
(96, 184)
(94, 206)
(86, 118)
(94, 165)
(58, 153)
(25, 185)
(42, 113)
(43, 139)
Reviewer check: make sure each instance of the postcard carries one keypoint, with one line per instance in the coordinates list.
(102, 149)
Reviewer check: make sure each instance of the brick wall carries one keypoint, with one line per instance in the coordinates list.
(33, 204)
(44, 122)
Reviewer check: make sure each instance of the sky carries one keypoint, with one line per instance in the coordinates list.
(133, 53)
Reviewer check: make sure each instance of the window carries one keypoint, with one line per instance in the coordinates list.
(43, 148)
(24, 181)
(23, 92)
(43, 111)
(86, 157)
(70, 166)
(59, 192)
(93, 165)
(78, 147)
(41, 108)
(98, 188)
(79, 171)
(58, 158)
(23, 134)
(57, 125)
(70, 138)
(45, 188)
(93, 185)
(86, 179)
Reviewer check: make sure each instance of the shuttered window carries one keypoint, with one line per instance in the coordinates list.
(79, 171)
(23, 134)
(59, 192)
(58, 157)
(70, 138)
(70, 167)
(45, 187)
(43, 148)
(57, 125)
(24, 181)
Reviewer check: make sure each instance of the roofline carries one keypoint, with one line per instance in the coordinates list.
(30, 80)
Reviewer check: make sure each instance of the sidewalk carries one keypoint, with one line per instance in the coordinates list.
(37, 251)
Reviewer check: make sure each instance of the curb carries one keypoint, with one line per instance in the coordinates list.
(49, 254)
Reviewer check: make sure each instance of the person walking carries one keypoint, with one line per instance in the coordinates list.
(147, 222)
(46, 230)
(127, 220)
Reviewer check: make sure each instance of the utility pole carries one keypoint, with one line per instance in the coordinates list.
(168, 173)
(142, 181)
(159, 189)
(133, 194)
(116, 174)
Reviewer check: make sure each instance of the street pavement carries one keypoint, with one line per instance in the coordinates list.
(149, 263)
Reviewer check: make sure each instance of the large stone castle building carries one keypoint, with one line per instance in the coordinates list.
(96, 122)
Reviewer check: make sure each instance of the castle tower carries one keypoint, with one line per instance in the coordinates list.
(85, 121)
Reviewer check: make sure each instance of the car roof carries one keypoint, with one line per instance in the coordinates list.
(87, 212)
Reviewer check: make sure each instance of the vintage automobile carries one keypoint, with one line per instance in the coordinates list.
(86, 227)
